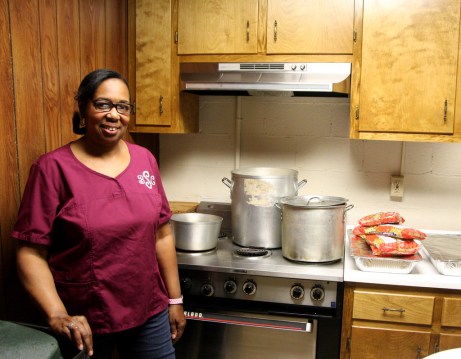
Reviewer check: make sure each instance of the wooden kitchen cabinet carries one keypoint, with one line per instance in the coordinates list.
(310, 26)
(449, 340)
(265, 27)
(217, 27)
(368, 342)
(381, 321)
(392, 307)
(450, 336)
(154, 72)
(405, 70)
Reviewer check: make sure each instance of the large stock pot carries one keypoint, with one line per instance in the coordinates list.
(255, 192)
(313, 227)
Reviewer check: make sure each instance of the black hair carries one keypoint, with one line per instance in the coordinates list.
(85, 93)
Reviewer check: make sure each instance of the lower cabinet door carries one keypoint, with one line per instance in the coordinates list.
(385, 343)
(449, 341)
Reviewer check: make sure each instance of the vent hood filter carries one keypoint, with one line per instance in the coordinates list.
(254, 78)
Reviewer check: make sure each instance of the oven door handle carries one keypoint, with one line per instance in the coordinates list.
(297, 325)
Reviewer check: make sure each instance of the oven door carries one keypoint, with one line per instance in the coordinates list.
(236, 335)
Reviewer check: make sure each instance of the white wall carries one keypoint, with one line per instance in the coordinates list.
(311, 136)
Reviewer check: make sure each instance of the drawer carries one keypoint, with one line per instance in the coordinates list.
(450, 312)
(392, 307)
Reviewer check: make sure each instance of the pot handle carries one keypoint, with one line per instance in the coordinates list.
(347, 208)
(312, 198)
(227, 182)
(301, 184)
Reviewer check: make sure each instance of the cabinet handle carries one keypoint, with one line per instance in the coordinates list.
(248, 30)
(418, 356)
(445, 110)
(161, 105)
(400, 310)
(275, 31)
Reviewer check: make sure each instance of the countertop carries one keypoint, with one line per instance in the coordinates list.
(183, 207)
(424, 274)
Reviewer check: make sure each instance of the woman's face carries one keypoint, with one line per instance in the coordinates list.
(104, 124)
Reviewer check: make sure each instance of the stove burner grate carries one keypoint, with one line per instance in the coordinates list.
(252, 252)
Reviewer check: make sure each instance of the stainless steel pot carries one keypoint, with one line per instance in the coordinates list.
(254, 193)
(195, 231)
(313, 227)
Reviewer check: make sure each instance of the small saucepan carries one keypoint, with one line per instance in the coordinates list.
(195, 232)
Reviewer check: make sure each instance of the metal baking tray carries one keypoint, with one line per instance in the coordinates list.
(367, 262)
(444, 251)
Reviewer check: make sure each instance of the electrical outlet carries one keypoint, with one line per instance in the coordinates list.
(396, 188)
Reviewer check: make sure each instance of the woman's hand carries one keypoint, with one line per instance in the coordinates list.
(177, 321)
(37, 279)
(75, 328)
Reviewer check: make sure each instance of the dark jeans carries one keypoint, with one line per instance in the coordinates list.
(152, 340)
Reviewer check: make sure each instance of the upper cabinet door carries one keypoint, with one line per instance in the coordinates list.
(408, 66)
(153, 62)
(310, 26)
(217, 27)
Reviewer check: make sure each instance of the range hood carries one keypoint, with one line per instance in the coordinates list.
(266, 78)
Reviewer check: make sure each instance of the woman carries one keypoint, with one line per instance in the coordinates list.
(95, 247)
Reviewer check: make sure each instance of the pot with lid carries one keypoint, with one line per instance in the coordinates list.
(313, 227)
(255, 192)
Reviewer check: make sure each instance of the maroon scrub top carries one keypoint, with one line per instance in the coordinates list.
(100, 233)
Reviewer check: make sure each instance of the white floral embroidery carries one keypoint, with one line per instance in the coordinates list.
(147, 179)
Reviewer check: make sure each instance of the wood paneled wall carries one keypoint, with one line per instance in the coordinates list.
(46, 47)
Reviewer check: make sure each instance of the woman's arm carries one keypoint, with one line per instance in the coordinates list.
(168, 265)
(37, 279)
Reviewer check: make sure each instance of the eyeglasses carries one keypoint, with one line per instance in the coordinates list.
(123, 108)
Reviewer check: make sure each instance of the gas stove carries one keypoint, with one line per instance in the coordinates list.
(234, 272)
(226, 259)
(249, 303)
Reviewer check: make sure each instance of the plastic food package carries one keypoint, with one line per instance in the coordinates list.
(395, 231)
(389, 246)
(366, 261)
(381, 218)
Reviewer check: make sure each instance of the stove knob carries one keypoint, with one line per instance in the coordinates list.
(297, 291)
(249, 288)
(186, 284)
(317, 293)
(230, 286)
(207, 290)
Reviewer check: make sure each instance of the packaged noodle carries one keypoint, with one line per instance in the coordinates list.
(381, 218)
(388, 246)
(395, 231)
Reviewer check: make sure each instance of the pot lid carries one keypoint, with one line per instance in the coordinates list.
(258, 172)
(313, 201)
